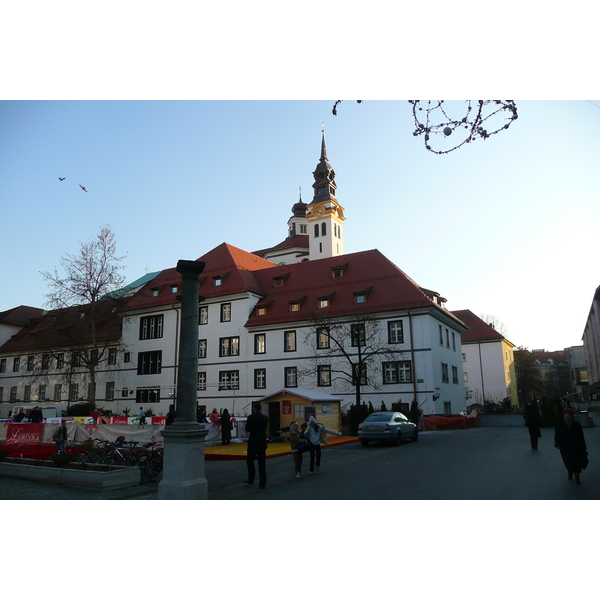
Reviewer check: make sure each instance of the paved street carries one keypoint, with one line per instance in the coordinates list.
(479, 464)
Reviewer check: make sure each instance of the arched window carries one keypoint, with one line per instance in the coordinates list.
(323, 229)
(317, 230)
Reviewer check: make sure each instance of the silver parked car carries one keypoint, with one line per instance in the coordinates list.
(387, 427)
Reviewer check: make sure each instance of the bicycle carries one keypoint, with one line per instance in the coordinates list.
(150, 463)
(121, 453)
(95, 454)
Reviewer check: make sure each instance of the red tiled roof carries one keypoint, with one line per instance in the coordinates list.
(236, 267)
(20, 315)
(63, 328)
(293, 242)
(479, 330)
(390, 289)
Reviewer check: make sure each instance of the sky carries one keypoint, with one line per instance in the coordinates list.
(505, 226)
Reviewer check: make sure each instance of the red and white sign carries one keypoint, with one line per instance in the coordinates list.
(24, 433)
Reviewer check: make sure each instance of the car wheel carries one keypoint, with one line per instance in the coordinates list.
(364, 442)
(415, 436)
(398, 439)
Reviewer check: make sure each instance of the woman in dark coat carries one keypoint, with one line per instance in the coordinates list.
(225, 427)
(533, 422)
(568, 438)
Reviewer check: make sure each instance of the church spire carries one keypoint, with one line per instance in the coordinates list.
(324, 185)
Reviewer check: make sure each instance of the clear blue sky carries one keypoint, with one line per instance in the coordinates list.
(505, 226)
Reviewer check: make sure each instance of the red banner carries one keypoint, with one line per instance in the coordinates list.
(24, 433)
(119, 420)
(158, 420)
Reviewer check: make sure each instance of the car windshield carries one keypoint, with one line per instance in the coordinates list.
(379, 417)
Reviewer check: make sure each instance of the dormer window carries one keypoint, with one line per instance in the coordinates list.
(154, 292)
(361, 296)
(338, 271)
(174, 289)
(280, 279)
(219, 279)
(324, 303)
(261, 311)
(294, 306)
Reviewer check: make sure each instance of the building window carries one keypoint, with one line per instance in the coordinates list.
(144, 395)
(441, 335)
(448, 408)
(76, 359)
(397, 371)
(149, 363)
(203, 317)
(151, 327)
(260, 343)
(42, 393)
(323, 229)
(324, 375)
(316, 230)
(73, 392)
(445, 378)
(2, 365)
(225, 312)
(260, 379)
(154, 293)
(395, 332)
(202, 344)
(30, 363)
(261, 311)
(201, 380)
(294, 306)
(110, 390)
(454, 374)
(13, 393)
(229, 380)
(291, 377)
(323, 339)
(124, 392)
(174, 289)
(16, 364)
(229, 346)
(303, 229)
(127, 357)
(1, 394)
(290, 341)
(453, 341)
(357, 334)
(27, 394)
(60, 361)
(112, 356)
(324, 303)
(58, 392)
(337, 273)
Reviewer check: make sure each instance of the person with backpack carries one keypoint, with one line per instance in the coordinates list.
(60, 436)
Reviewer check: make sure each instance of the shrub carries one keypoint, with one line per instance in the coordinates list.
(80, 409)
(60, 460)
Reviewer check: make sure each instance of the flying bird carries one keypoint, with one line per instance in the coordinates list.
(61, 178)
(82, 188)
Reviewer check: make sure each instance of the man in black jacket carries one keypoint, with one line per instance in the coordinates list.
(256, 426)
(36, 415)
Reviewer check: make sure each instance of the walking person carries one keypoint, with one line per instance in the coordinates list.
(226, 427)
(60, 436)
(142, 419)
(569, 439)
(256, 426)
(533, 422)
(313, 436)
(297, 444)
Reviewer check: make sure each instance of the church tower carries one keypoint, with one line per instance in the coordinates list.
(325, 215)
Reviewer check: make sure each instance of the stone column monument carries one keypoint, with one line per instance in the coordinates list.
(183, 467)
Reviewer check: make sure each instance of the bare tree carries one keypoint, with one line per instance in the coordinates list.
(495, 323)
(350, 351)
(87, 326)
